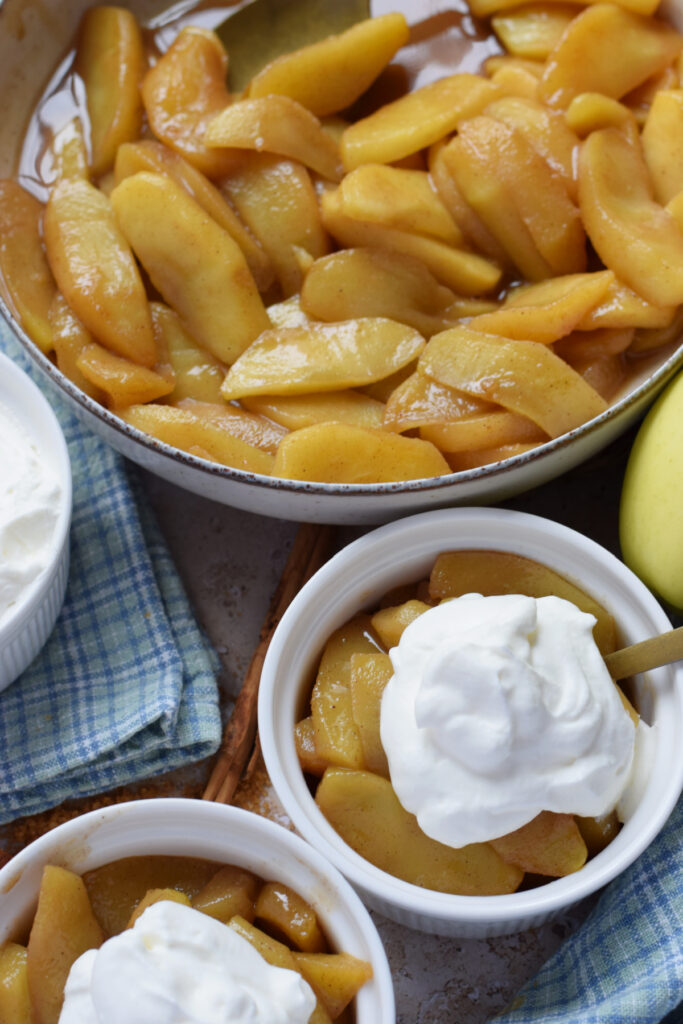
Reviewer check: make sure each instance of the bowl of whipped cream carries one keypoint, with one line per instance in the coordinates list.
(176, 962)
(35, 516)
(494, 712)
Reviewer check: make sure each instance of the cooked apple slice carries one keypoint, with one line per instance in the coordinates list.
(634, 236)
(195, 264)
(550, 844)
(276, 200)
(64, 926)
(296, 411)
(533, 30)
(334, 977)
(663, 144)
(416, 120)
(341, 453)
(95, 269)
(276, 124)
(522, 376)
(15, 1004)
(149, 155)
(498, 572)
(335, 288)
(420, 401)
(285, 914)
(110, 60)
(370, 673)
(609, 50)
(366, 813)
(153, 896)
(322, 357)
(182, 94)
(26, 280)
(488, 430)
(124, 382)
(232, 890)
(330, 75)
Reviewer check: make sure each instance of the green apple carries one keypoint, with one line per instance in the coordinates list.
(651, 509)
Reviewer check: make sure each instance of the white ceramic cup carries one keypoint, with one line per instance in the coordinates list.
(30, 620)
(196, 828)
(403, 552)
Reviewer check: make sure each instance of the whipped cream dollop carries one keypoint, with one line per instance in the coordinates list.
(29, 508)
(179, 966)
(500, 708)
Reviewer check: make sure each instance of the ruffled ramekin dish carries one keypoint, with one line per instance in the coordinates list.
(30, 608)
(404, 552)
(215, 832)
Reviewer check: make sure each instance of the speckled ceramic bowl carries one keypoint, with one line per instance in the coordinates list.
(33, 39)
(195, 828)
(404, 552)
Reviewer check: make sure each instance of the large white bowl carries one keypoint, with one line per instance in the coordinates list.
(195, 828)
(33, 39)
(29, 622)
(404, 552)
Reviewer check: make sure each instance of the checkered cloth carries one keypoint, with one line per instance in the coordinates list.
(625, 964)
(125, 687)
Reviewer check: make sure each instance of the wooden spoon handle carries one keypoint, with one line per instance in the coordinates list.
(658, 650)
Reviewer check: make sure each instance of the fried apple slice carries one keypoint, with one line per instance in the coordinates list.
(63, 927)
(489, 430)
(95, 270)
(335, 288)
(337, 738)
(663, 144)
(370, 673)
(590, 111)
(184, 429)
(498, 572)
(634, 236)
(280, 125)
(522, 376)
(197, 373)
(609, 50)
(153, 896)
(124, 382)
(482, 8)
(366, 813)
(28, 286)
(464, 272)
(149, 155)
(15, 1004)
(341, 453)
(390, 621)
(415, 121)
(398, 198)
(622, 308)
(420, 401)
(193, 263)
(296, 411)
(334, 977)
(282, 912)
(550, 844)
(330, 75)
(279, 955)
(533, 30)
(548, 310)
(249, 427)
(182, 94)
(322, 357)
(232, 890)
(276, 199)
(110, 60)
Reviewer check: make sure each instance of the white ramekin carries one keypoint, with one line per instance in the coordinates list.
(32, 618)
(196, 828)
(402, 552)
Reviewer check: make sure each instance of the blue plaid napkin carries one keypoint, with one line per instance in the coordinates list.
(625, 964)
(125, 687)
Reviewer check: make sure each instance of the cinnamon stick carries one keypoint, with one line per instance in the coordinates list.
(309, 550)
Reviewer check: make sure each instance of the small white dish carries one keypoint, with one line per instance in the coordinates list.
(404, 552)
(28, 622)
(228, 835)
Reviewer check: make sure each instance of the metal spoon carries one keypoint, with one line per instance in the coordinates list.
(658, 650)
